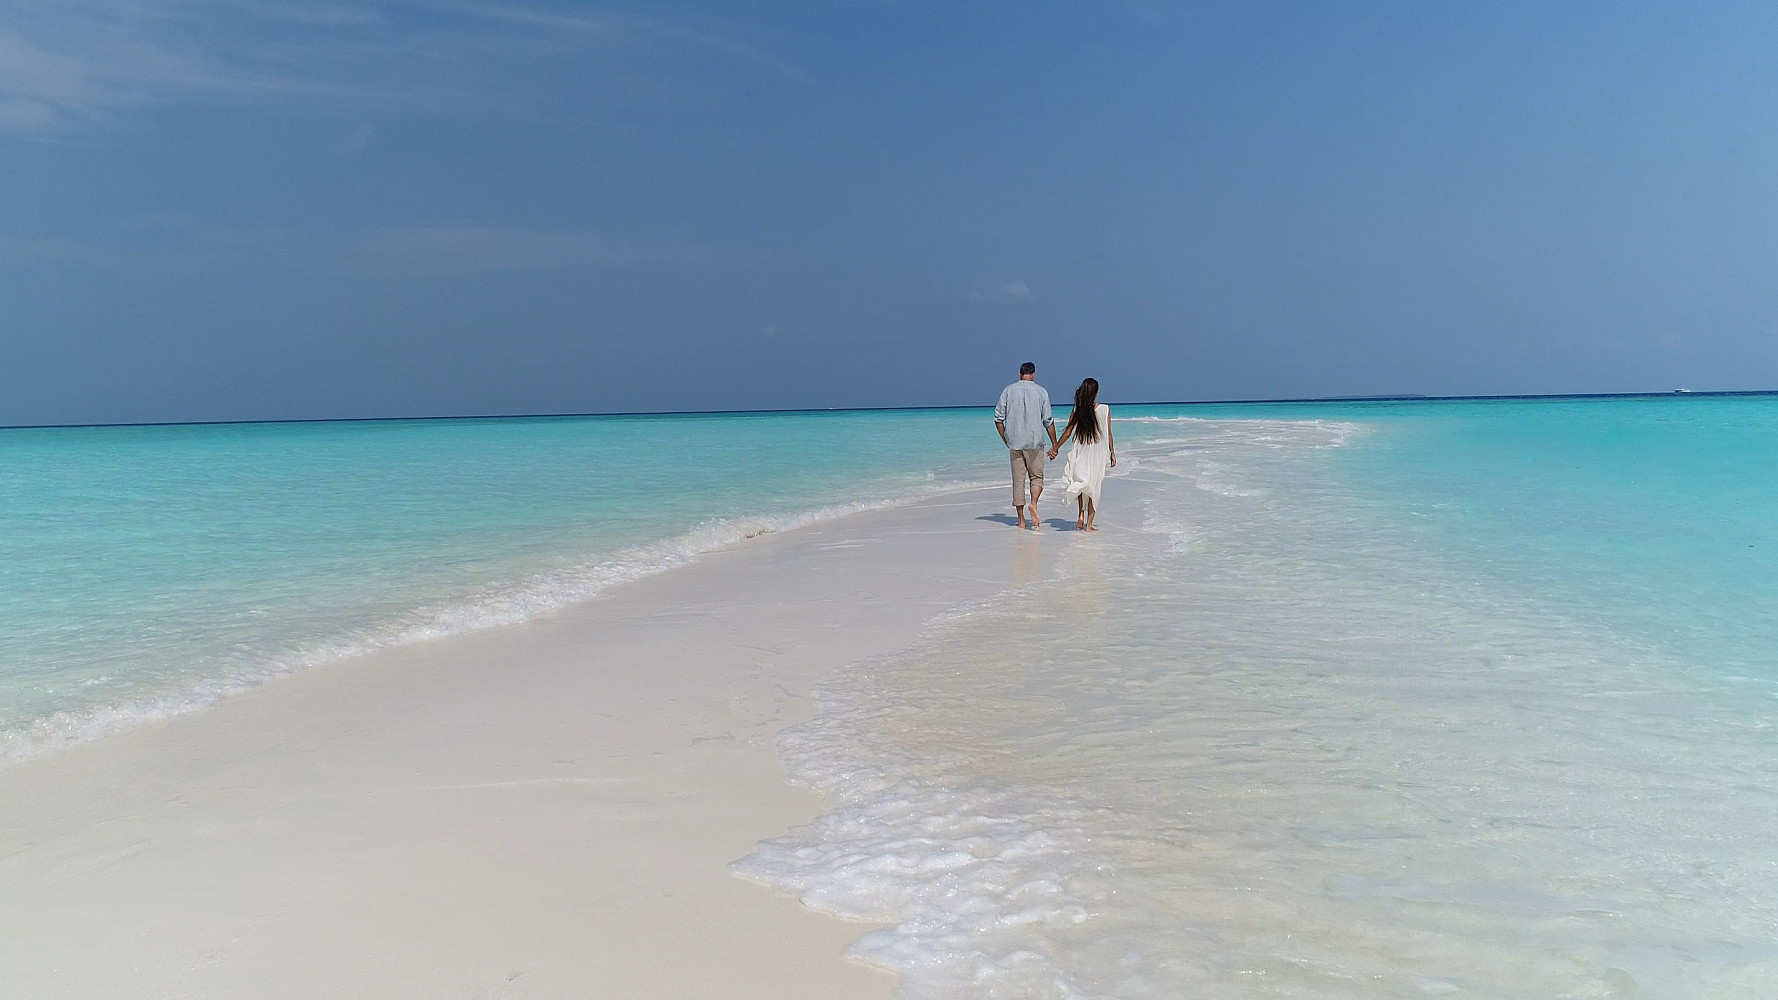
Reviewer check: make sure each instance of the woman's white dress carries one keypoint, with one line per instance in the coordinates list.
(1088, 460)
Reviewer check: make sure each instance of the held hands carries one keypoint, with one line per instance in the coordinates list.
(1053, 453)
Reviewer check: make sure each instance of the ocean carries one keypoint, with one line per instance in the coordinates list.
(1381, 700)
(1387, 699)
(148, 571)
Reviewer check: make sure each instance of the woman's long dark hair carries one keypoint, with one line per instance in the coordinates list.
(1085, 418)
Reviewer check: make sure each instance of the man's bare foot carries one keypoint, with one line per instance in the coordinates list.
(1035, 523)
(1021, 511)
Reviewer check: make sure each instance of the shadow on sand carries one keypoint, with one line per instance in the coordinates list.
(1054, 523)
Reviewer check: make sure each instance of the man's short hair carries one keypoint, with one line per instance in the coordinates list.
(1028, 368)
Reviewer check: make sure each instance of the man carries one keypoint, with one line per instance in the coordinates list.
(1022, 416)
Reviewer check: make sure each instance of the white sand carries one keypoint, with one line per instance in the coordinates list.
(544, 810)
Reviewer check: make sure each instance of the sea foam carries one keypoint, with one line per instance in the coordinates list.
(500, 603)
(1273, 745)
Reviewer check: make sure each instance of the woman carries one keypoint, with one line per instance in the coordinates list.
(1093, 452)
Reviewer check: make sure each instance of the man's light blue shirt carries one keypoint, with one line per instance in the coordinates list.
(1024, 408)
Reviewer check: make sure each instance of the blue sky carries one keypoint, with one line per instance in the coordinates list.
(232, 209)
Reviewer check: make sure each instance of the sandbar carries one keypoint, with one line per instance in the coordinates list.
(539, 810)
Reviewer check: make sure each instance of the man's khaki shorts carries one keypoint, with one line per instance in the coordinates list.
(1027, 465)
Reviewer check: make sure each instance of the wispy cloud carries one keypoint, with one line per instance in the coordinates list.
(18, 114)
(88, 70)
(469, 249)
(64, 64)
(180, 245)
(22, 251)
(616, 25)
(1005, 293)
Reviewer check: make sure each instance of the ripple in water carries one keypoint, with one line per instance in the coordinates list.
(1271, 746)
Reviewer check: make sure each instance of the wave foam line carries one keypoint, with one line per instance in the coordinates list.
(498, 605)
(1265, 431)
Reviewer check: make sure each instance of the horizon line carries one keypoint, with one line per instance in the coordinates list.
(1400, 398)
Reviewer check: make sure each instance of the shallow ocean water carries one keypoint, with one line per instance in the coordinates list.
(1387, 700)
(1420, 699)
(147, 571)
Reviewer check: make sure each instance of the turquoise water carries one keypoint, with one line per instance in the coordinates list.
(1657, 516)
(1376, 700)
(1366, 700)
(146, 569)
(149, 570)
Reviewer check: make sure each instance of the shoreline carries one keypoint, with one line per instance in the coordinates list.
(538, 595)
(534, 809)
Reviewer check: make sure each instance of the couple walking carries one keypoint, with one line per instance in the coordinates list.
(1023, 417)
